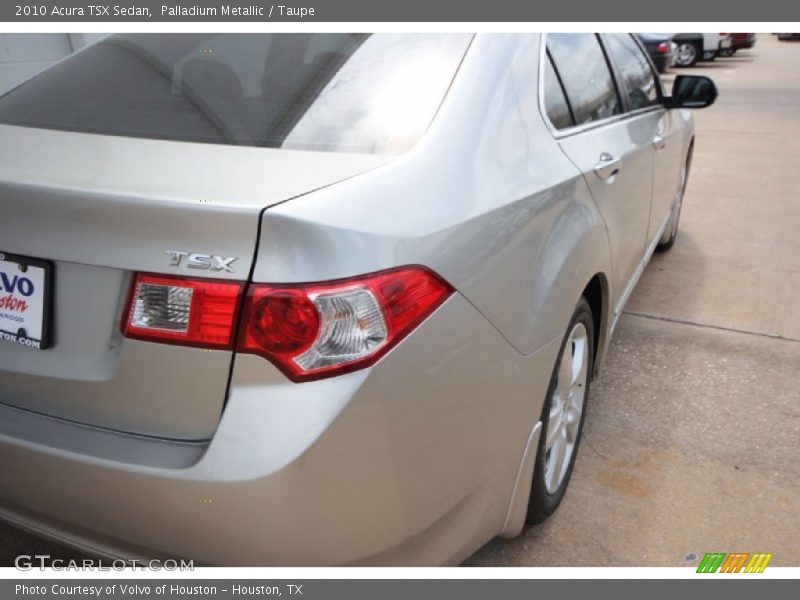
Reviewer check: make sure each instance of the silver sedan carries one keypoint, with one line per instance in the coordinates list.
(312, 299)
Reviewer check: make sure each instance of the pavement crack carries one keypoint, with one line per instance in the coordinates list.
(773, 336)
(591, 446)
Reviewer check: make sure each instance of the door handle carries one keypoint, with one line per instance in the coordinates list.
(659, 142)
(607, 166)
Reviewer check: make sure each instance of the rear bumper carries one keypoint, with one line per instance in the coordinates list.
(410, 462)
(744, 42)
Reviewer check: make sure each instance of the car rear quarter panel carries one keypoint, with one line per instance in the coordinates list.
(487, 200)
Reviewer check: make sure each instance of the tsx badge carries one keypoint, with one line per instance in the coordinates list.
(203, 262)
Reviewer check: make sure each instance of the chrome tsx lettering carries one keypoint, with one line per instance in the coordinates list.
(201, 261)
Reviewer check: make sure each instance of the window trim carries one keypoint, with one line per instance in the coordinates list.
(643, 50)
(578, 129)
(618, 74)
(548, 60)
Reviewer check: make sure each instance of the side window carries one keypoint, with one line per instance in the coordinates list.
(638, 81)
(555, 103)
(581, 63)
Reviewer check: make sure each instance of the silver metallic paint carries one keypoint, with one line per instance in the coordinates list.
(358, 453)
(417, 460)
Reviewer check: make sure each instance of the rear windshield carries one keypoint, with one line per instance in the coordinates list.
(322, 91)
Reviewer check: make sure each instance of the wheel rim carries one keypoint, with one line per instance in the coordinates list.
(686, 54)
(672, 228)
(566, 408)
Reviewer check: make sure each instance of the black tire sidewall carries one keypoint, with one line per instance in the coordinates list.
(671, 241)
(542, 504)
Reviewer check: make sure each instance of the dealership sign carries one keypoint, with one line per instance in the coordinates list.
(24, 300)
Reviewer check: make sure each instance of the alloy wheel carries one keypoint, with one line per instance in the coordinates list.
(566, 408)
(686, 54)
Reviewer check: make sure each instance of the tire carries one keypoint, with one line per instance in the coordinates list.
(727, 52)
(709, 56)
(667, 240)
(550, 475)
(687, 53)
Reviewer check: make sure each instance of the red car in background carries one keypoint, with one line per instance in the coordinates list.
(741, 41)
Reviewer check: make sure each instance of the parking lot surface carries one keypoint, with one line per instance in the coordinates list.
(691, 440)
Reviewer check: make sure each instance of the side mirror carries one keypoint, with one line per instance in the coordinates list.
(692, 91)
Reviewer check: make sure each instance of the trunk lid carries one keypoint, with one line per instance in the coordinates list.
(101, 207)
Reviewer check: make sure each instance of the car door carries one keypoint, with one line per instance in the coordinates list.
(642, 95)
(613, 152)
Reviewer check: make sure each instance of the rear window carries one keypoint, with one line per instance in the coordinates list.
(324, 91)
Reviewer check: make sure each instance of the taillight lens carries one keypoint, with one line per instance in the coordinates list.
(320, 330)
(176, 310)
(307, 331)
(663, 48)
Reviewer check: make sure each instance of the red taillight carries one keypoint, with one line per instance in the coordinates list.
(663, 48)
(280, 321)
(177, 310)
(319, 330)
(307, 331)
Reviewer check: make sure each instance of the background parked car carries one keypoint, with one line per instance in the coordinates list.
(700, 46)
(788, 36)
(741, 41)
(660, 48)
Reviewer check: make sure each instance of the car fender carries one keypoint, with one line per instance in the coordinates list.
(491, 204)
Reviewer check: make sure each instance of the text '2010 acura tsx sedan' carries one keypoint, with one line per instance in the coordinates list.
(311, 299)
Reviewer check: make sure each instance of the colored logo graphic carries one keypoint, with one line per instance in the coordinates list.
(719, 562)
